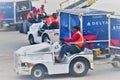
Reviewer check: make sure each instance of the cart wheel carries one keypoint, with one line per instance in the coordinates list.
(45, 38)
(116, 62)
(79, 67)
(38, 73)
(31, 40)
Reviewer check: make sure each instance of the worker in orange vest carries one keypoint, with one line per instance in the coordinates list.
(41, 11)
(52, 21)
(30, 17)
(32, 13)
(75, 44)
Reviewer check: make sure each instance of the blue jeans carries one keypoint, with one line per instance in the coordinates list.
(72, 49)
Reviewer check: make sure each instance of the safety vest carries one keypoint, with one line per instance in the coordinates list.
(41, 11)
(80, 41)
(58, 21)
(50, 20)
(29, 15)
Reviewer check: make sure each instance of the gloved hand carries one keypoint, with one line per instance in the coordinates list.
(61, 41)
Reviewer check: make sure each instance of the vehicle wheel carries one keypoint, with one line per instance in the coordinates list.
(20, 28)
(38, 73)
(31, 40)
(116, 62)
(45, 38)
(79, 67)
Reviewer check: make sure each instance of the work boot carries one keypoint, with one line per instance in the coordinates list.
(57, 59)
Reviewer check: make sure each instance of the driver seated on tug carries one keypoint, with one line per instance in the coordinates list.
(75, 46)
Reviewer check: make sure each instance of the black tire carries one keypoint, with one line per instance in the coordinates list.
(45, 38)
(116, 62)
(31, 40)
(20, 28)
(38, 73)
(79, 67)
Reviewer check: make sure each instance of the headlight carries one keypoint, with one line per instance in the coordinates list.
(28, 65)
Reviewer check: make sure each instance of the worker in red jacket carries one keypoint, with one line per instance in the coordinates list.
(41, 11)
(30, 17)
(52, 21)
(75, 44)
(32, 13)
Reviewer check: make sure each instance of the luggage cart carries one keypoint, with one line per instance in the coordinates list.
(93, 24)
(114, 39)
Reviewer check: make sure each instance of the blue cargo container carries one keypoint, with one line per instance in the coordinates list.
(93, 24)
(114, 33)
(14, 12)
(114, 39)
(7, 12)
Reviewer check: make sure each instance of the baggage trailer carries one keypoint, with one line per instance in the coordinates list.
(13, 13)
(114, 39)
(93, 24)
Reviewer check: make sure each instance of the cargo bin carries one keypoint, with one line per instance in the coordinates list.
(114, 37)
(93, 24)
(13, 13)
